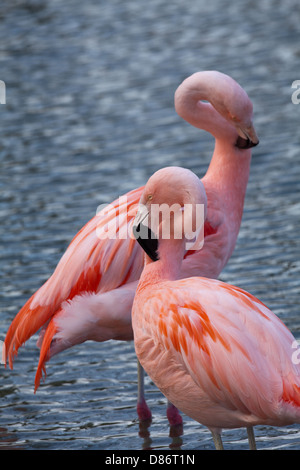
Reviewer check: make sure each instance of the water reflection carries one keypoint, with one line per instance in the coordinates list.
(175, 433)
(8, 441)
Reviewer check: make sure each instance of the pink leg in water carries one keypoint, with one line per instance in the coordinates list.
(173, 415)
(143, 410)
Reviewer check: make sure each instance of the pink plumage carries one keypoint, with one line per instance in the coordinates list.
(90, 293)
(215, 351)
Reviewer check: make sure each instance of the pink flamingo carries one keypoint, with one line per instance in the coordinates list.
(89, 296)
(215, 351)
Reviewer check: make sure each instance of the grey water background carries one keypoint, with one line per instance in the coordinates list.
(89, 115)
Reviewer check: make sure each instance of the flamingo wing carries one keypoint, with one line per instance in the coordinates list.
(231, 345)
(101, 257)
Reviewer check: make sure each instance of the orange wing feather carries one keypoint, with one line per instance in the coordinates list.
(88, 265)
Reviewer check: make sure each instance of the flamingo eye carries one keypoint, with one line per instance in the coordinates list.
(150, 197)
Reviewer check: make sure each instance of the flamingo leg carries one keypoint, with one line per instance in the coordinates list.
(217, 440)
(251, 438)
(143, 411)
(173, 415)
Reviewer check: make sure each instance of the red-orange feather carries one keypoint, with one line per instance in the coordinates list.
(85, 267)
(50, 332)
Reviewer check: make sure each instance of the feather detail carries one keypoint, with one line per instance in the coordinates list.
(88, 265)
(236, 351)
(44, 353)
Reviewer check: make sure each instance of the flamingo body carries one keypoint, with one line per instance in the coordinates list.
(217, 353)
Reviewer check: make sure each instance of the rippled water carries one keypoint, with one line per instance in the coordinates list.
(89, 115)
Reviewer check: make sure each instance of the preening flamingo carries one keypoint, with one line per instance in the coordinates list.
(215, 351)
(89, 296)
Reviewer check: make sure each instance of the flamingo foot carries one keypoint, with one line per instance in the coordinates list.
(175, 421)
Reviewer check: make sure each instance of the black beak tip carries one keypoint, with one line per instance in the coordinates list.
(244, 144)
(146, 239)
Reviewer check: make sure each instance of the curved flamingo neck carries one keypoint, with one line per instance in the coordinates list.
(203, 116)
(229, 168)
(228, 175)
(227, 114)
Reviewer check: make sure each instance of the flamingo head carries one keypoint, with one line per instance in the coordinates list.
(173, 206)
(226, 96)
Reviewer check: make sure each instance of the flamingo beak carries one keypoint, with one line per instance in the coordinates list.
(144, 235)
(247, 137)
